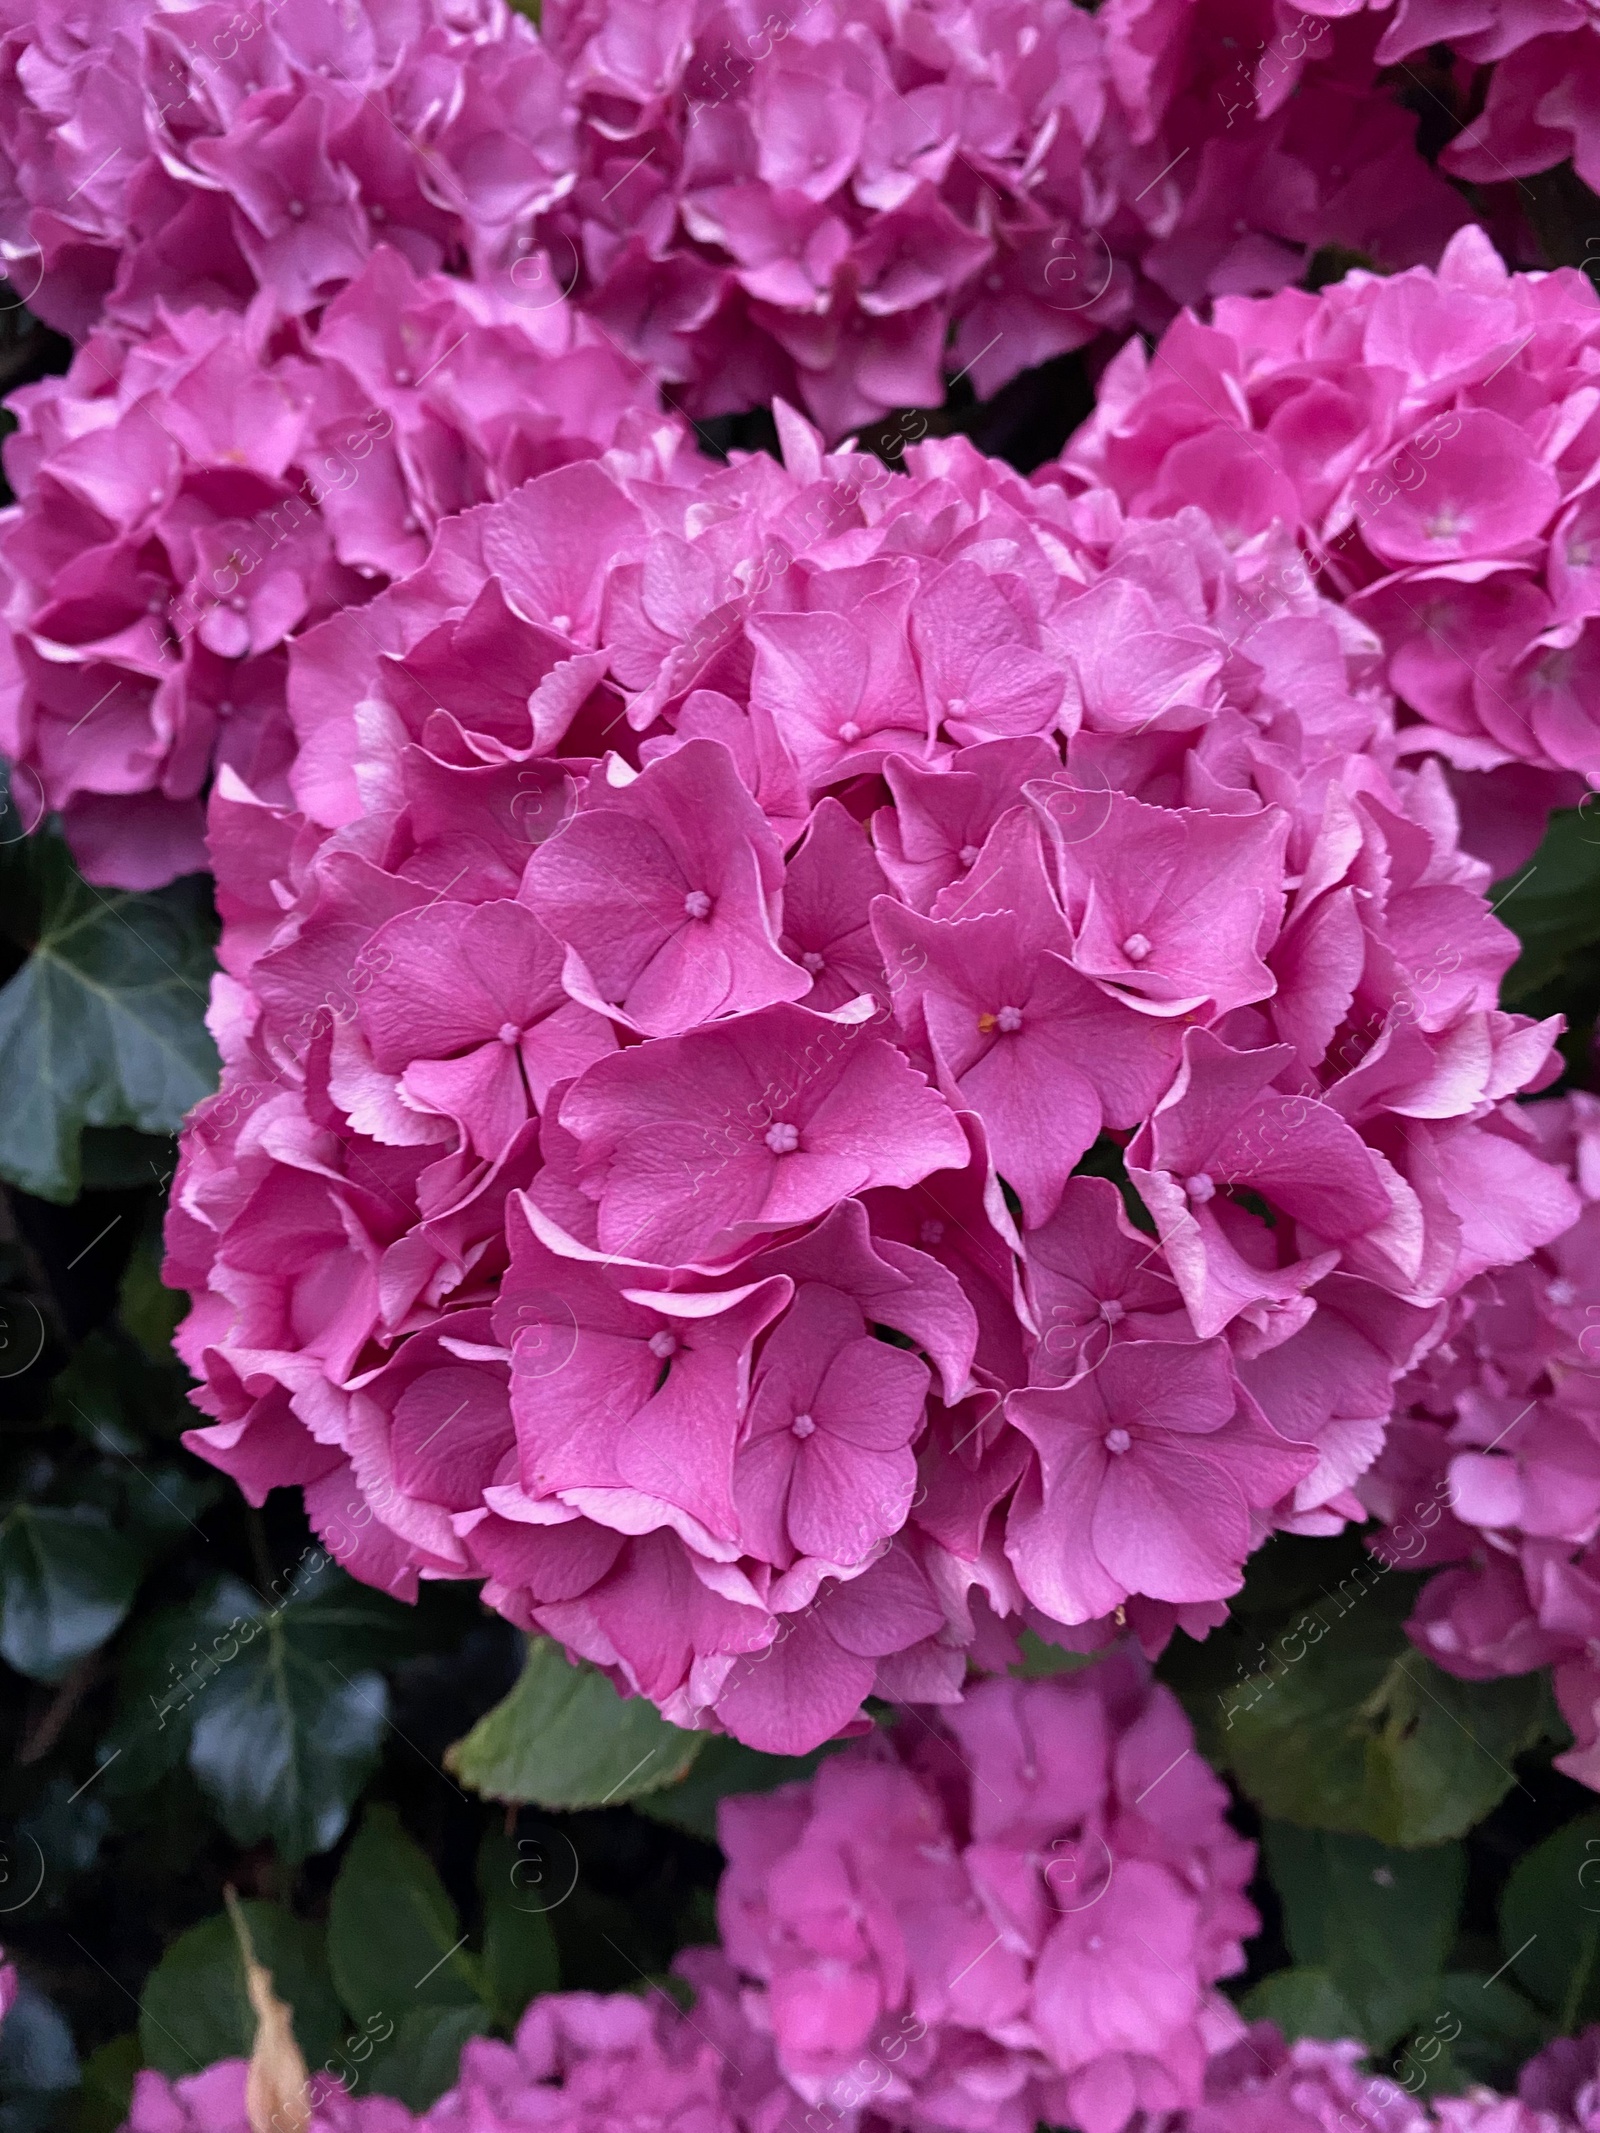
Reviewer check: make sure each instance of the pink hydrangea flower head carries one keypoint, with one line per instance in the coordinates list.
(192, 497)
(158, 157)
(1428, 440)
(682, 1027)
(992, 1920)
(1493, 1468)
(844, 203)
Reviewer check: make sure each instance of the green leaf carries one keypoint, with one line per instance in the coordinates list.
(1552, 903)
(721, 1767)
(146, 1306)
(519, 1949)
(101, 2105)
(1353, 1729)
(1303, 2003)
(1039, 1660)
(1500, 2032)
(288, 1727)
(103, 1024)
(195, 2008)
(1550, 1922)
(394, 1940)
(424, 2059)
(67, 1580)
(1379, 1923)
(564, 1738)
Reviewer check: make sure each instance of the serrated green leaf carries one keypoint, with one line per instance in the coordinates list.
(1550, 1922)
(1303, 2003)
(67, 1580)
(394, 1940)
(721, 1767)
(1357, 1731)
(195, 2009)
(1379, 1923)
(564, 1738)
(519, 1949)
(103, 1026)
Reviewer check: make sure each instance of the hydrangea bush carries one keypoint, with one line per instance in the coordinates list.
(870, 1109)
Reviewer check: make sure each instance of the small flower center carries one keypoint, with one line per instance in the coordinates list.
(402, 376)
(782, 1138)
(802, 1426)
(956, 705)
(297, 209)
(1112, 1312)
(1009, 1019)
(663, 1344)
(968, 855)
(1200, 1188)
(849, 732)
(1136, 947)
(508, 1033)
(932, 1230)
(561, 622)
(1561, 1293)
(697, 904)
(1117, 1440)
(813, 961)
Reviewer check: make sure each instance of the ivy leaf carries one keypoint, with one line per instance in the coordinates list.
(1356, 1731)
(103, 1024)
(67, 1579)
(1550, 1922)
(1379, 1923)
(287, 1728)
(196, 2006)
(721, 1767)
(564, 1738)
(519, 1949)
(394, 1940)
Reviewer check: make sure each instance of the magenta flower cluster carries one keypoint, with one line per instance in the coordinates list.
(580, 2063)
(843, 202)
(191, 497)
(162, 157)
(1493, 1462)
(1016, 1919)
(737, 925)
(1434, 441)
(1530, 70)
(584, 2064)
